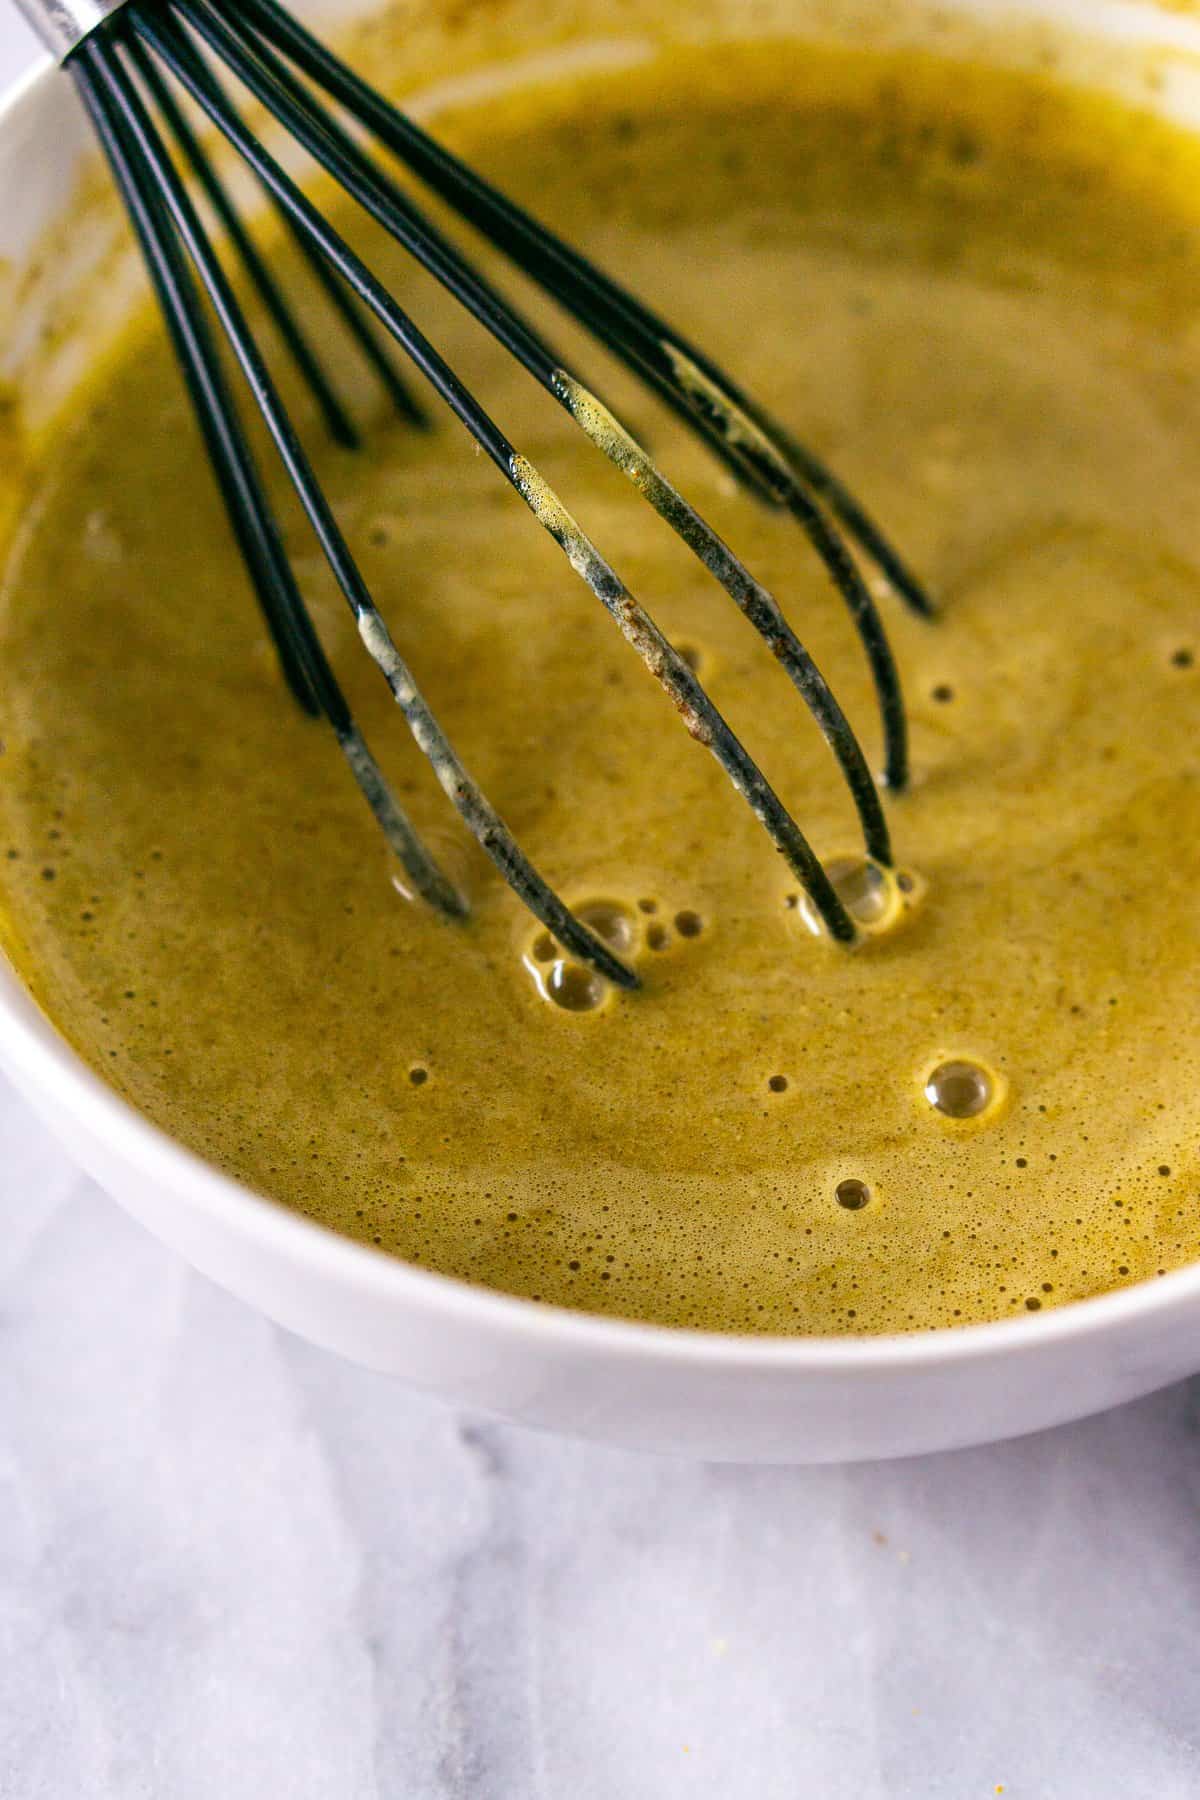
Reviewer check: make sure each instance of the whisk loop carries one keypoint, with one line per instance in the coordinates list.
(124, 62)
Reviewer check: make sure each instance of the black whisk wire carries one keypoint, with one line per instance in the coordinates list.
(270, 82)
(770, 461)
(111, 102)
(337, 419)
(155, 169)
(338, 422)
(663, 660)
(142, 45)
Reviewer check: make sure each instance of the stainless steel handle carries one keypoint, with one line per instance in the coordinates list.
(62, 24)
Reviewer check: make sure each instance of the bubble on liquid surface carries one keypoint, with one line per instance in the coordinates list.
(852, 1193)
(877, 897)
(610, 920)
(864, 889)
(960, 1089)
(574, 988)
(566, 983)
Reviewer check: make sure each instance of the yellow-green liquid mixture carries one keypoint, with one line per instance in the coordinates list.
(978, 296)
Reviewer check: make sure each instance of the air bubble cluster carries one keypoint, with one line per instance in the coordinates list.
(633, 929)
(878, 899)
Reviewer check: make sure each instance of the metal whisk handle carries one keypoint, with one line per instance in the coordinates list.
(63, 24)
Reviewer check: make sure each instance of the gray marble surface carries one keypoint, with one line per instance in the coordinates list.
(232, 1566)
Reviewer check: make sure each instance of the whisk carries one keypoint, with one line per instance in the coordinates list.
(137, 64)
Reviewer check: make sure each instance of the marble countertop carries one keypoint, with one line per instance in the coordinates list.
(233, 1566)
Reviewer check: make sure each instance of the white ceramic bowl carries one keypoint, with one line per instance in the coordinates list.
(758, 1399)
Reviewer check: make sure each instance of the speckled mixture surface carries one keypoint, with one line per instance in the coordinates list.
(978, 296)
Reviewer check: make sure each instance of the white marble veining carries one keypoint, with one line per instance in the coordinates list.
(232, 1566)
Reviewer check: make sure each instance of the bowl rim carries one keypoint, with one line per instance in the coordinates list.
(30, 1043)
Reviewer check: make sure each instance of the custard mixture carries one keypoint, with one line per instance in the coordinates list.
(977, 295)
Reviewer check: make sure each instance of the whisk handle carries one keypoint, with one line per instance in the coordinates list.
(63, 24)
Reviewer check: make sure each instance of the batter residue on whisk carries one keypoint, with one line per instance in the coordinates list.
(977, 294)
